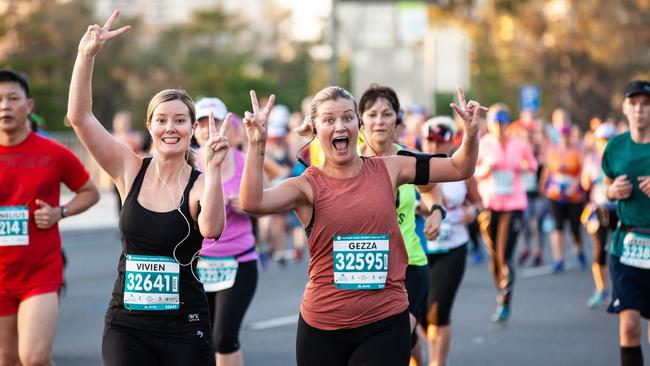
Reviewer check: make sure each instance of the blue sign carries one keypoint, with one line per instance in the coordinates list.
(529, 98)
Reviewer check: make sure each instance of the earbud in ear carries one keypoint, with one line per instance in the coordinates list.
(314, 130)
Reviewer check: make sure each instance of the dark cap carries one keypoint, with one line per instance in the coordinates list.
(501, 116)
(637, 87)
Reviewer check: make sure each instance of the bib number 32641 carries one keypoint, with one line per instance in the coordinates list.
(14, 225)
(360, 261)
(151, 283)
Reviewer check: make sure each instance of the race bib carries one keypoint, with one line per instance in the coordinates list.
(529, 181)
(636, 250)
(360, 261)
(217, 274)
(441, 244)
(502, 182)
(151, 283)
(14, 225)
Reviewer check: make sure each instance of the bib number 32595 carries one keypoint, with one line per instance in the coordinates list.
(360, 261)
(151, 283)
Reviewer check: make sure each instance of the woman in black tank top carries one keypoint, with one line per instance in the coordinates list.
(158, 313)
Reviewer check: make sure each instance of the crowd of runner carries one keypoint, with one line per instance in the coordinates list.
(387, 203)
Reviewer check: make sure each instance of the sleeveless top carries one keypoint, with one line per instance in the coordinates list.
(455, 194)
(563, 183)
(237, 236)
(406, 200)
(363, 204)
(146, 232)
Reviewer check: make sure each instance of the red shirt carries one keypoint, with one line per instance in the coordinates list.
(35, 169)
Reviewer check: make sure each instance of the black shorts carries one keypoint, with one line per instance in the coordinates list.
(631, 288)
(565, 211)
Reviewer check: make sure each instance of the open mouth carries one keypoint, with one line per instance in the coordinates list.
(171, 140)
(341, 143)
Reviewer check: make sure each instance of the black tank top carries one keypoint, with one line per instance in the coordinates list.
(145, 232)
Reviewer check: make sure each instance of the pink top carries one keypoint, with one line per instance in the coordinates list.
(498, 171)
(364, 204)
(237, 237)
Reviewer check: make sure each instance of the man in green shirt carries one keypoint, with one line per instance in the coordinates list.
(626, 163)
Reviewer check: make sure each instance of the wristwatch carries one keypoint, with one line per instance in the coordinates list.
(64, 211)
(443, 212)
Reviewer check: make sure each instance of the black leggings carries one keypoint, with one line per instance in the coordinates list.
(383, 343)
(228, 307)
(474, 235)
(500, 248)
(123, 346)
(564, 211)
(416, 284)
(446, 271)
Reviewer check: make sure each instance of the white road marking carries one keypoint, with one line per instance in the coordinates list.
(274, 322)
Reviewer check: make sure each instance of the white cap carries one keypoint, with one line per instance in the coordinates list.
(432, 123)
(278, 121)
(214, 105)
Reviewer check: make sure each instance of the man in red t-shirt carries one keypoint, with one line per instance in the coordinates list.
(32, 169)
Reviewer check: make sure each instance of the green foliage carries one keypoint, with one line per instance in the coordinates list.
(581, 53)
(208, 56)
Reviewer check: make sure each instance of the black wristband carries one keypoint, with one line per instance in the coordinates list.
(442, 210)
(64, 211)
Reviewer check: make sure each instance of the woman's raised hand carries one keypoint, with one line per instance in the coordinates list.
(468, 112)
(256, 122)
(95, 37)
(217, 146)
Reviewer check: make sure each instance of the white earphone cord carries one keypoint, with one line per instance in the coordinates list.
(178, 208)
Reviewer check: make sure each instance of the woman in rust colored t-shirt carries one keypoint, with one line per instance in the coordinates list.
(354, 309)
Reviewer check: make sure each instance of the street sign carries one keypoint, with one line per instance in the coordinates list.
(529, 98)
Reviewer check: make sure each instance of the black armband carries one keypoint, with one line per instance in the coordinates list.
(421, 165)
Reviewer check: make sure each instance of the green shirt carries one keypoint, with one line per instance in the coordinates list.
(624, 156)
(406, 219)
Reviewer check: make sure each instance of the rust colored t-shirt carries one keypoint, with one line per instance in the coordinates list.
(364, 205)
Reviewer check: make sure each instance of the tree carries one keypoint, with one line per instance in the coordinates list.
(581, 53)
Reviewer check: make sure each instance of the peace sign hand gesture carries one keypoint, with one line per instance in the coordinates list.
(256, 122)
(468, 112)
(217, 146)
(95, 37)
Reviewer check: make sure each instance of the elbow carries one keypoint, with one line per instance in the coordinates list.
(73, 118)
(212, 231)
(94, 197)
(468, 172)
(77, 118)
(249, 207)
